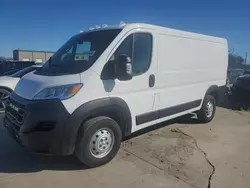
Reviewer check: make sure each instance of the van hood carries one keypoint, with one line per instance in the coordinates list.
(31, 84)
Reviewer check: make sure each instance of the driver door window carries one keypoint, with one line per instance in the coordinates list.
(142, 52)
(138, 47)
(125, 48)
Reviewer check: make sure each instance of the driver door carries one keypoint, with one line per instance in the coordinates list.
(138, 92)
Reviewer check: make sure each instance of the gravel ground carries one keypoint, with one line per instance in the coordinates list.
(179, 153)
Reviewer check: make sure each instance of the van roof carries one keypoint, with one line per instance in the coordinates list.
(163, 31)
(175, 32)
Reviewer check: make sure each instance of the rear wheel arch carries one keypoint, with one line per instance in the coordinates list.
(214, 91)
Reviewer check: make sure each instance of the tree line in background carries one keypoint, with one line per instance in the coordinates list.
(236, 61)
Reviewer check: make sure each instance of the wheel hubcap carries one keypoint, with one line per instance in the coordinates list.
(102, 143)
(209, 109)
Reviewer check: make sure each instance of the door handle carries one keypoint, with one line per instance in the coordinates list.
(151, 80)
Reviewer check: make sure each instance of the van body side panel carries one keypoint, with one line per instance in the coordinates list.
(187, 67)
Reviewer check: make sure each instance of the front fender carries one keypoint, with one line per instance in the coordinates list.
(88, 110)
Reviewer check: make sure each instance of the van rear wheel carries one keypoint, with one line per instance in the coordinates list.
(207, 111)
(99, 141)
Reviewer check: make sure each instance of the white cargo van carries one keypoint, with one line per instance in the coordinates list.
(107, 83)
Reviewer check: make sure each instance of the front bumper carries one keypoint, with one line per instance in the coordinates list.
(38, 125)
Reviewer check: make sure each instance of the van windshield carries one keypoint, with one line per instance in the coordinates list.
(79, 53)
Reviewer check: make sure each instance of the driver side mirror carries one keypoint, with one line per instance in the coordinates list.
(123, 67)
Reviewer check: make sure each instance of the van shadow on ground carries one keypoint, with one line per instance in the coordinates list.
(15, 159)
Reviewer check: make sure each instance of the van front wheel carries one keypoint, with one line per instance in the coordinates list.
(207, 111)
(99, 141)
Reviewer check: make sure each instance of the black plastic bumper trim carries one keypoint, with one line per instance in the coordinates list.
(151, 116)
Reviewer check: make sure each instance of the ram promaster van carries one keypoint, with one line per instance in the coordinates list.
(106, 83)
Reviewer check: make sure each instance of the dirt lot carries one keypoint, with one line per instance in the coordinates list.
(180, 153)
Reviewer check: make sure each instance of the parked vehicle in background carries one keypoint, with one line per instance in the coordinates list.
(246, 72)
(233, 74)
(8, 83)
(105, 84)
(241, 92)
(9, 65)
(12, 71)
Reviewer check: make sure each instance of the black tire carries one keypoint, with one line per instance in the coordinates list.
(3, 96)
(202, 114)
(89, 129)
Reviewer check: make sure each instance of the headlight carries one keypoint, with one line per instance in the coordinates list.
(58, 92)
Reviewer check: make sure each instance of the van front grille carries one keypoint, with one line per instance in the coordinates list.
(15, 111)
